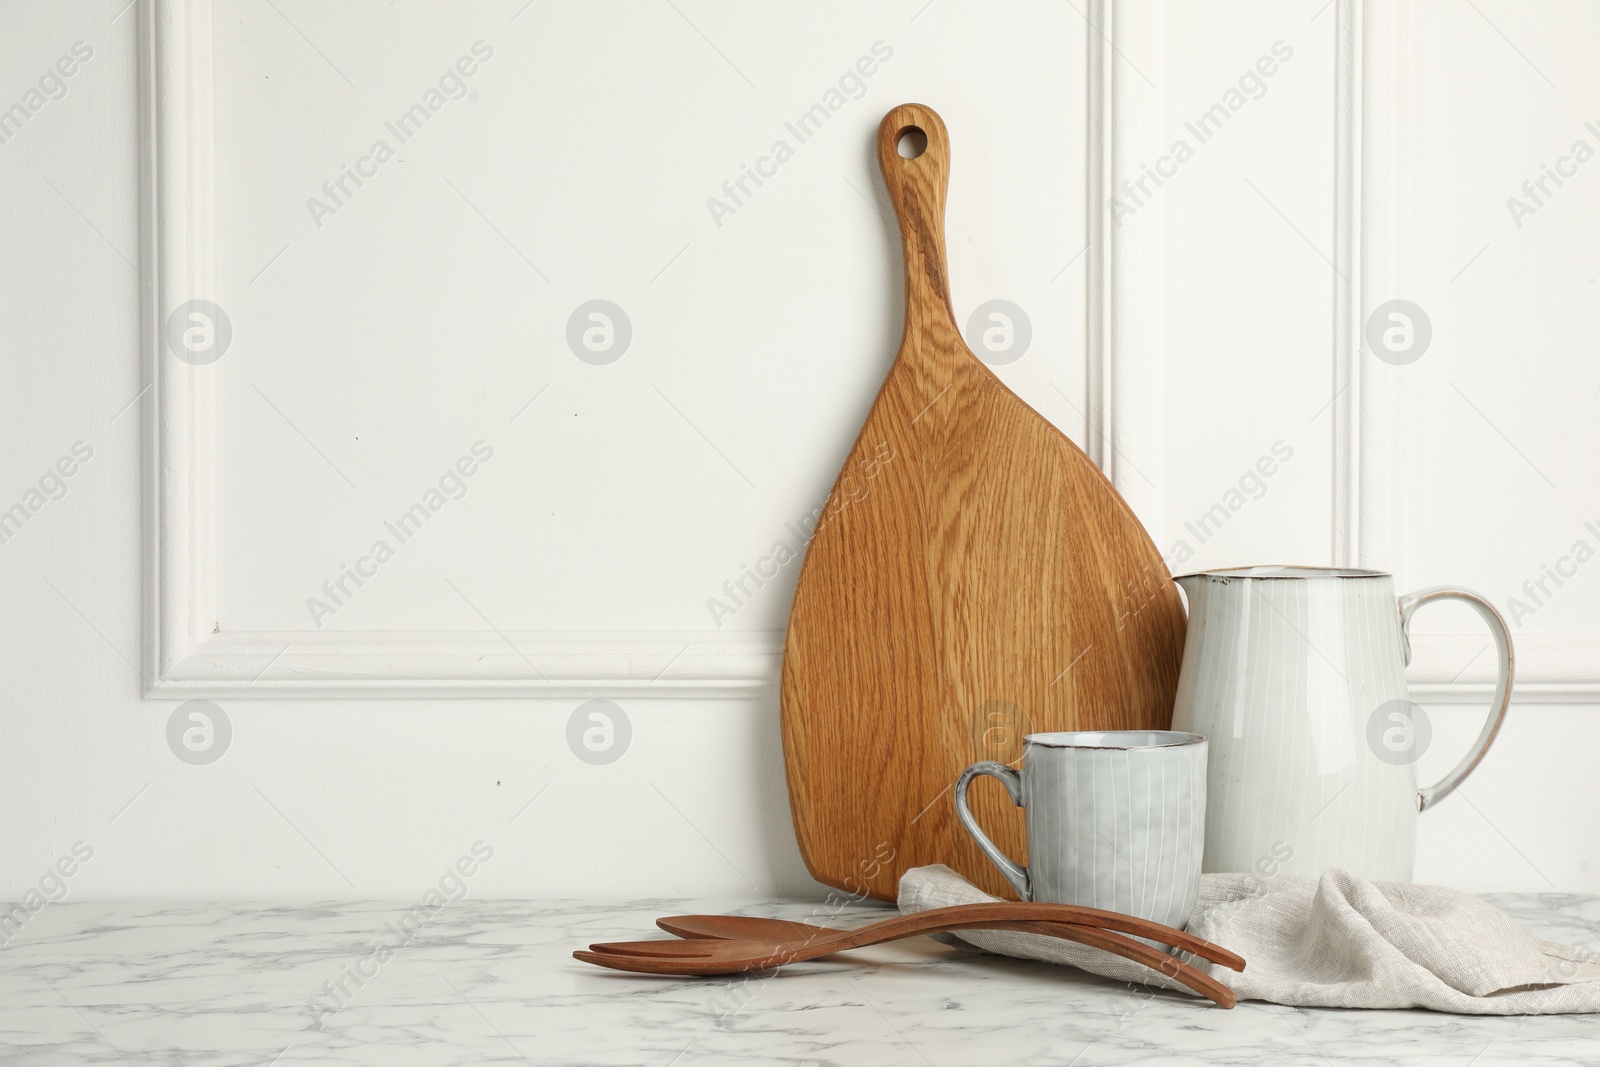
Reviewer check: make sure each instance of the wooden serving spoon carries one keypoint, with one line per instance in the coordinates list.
(712, 956)
(783, 931)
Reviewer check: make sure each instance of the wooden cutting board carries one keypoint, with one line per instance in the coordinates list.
(973, 578)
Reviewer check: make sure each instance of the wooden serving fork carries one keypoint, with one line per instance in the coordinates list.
(734, 944)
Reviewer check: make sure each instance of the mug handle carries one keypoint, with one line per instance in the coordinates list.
(1015, 873)
(1409, 604)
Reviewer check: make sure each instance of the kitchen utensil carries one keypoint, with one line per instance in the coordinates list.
(783, 931)
(973, 577)
(1296, 674)
(711, 956)
(1115, 819)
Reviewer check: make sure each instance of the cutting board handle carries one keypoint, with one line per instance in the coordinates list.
(917, 187)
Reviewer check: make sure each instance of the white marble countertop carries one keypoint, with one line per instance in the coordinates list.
(494, 982)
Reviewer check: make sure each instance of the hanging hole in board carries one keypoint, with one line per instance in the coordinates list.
(911, 143)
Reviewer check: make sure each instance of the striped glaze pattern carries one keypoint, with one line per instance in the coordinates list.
(1282, 675)
(1115, 820)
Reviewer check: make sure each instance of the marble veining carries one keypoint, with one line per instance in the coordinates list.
(492, 982)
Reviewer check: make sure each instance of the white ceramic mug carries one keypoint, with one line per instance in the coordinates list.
(1115, 820)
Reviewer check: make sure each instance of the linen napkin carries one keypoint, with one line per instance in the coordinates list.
(1338, 941)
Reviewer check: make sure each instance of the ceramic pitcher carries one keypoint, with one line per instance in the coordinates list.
(1296, 675)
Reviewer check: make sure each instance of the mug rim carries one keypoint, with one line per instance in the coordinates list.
(1271, 571)
(1062, 739)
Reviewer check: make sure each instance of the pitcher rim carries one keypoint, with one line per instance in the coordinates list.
(1282, 571)
(1114, 740)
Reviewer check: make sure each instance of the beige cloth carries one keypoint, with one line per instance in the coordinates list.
(1337, 942)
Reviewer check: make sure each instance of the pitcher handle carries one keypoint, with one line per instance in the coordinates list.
(1409, 604)
(1015, 873)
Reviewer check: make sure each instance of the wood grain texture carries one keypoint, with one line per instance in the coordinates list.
(975, 578)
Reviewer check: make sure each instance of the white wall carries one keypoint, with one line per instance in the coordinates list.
(414, 321)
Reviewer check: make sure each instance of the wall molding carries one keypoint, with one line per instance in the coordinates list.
(1372, 133)
(186, 654)
(1348, 295)
(178, 246)
(1551, 669)
(1125, 337)
(1377, 47)
(470, 663)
